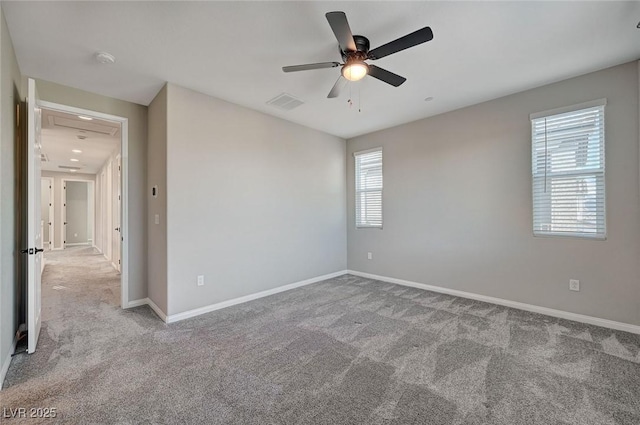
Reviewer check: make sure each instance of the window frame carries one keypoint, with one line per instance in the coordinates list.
(597, 236)
(357, 192)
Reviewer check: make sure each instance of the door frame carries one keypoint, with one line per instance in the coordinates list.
(63, 194)
(116, 220)
(52, 199)
(124, 189)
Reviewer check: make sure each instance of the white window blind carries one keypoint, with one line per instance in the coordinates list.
(568, 172)
(369, 188)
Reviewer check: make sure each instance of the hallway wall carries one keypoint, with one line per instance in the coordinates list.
(79, 227)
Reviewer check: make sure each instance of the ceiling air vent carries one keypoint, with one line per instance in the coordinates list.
(285, 102)
(44, 157)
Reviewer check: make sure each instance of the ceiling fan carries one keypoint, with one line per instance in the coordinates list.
(354, 50)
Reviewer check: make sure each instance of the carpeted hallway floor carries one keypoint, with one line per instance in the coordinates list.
(345, 351)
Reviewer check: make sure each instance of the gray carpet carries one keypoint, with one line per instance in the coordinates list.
(347, 350)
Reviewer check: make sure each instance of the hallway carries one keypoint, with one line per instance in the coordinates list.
(83, 327)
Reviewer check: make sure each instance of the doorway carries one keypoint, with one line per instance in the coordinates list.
(78, 212)
(85, 155)
(89, 129)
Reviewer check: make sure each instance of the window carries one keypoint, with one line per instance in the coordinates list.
(568, 171)
(369, 188)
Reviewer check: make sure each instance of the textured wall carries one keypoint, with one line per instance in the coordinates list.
(457, 204)
(10, 290)
(77, 212)
(254, 202)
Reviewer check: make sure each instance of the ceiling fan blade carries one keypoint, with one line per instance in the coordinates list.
(417, 37)
(337, 87)
(340, 26)
(309, 66)
(386, 76)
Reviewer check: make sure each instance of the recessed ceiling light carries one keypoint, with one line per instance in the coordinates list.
(82, 117)
(74, 160)
(428, 99)
(76, 151)
(106, 58)
(72, 170)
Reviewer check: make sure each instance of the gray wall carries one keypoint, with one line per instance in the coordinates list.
(253, 202)
(457, 204)
(77, 212)
(157, 176)
(137, 154)
(58, 219)
(10, 291)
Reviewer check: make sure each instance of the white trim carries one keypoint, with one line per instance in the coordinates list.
(7, 361)
(206, 309)
(138, 303)
(79, 243)
(124, 213)
(378, 149)
(605, 323)
(562, 110)
(157, 310)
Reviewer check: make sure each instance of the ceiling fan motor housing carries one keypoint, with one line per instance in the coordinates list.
(362, 48)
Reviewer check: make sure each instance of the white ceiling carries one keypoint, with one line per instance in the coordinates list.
(60, 133)
(235, 51)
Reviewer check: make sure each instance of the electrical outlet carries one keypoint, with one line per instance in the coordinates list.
(201, 280)
(369, 256)
(574, 285)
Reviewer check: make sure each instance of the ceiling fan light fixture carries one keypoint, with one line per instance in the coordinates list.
(355, 70)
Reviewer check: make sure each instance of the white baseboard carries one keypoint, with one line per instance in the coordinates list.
(137, 303)
(7, 361)
(78, 244)
(157, 310)
(605, 323)
(147, 301)
(207, 309)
